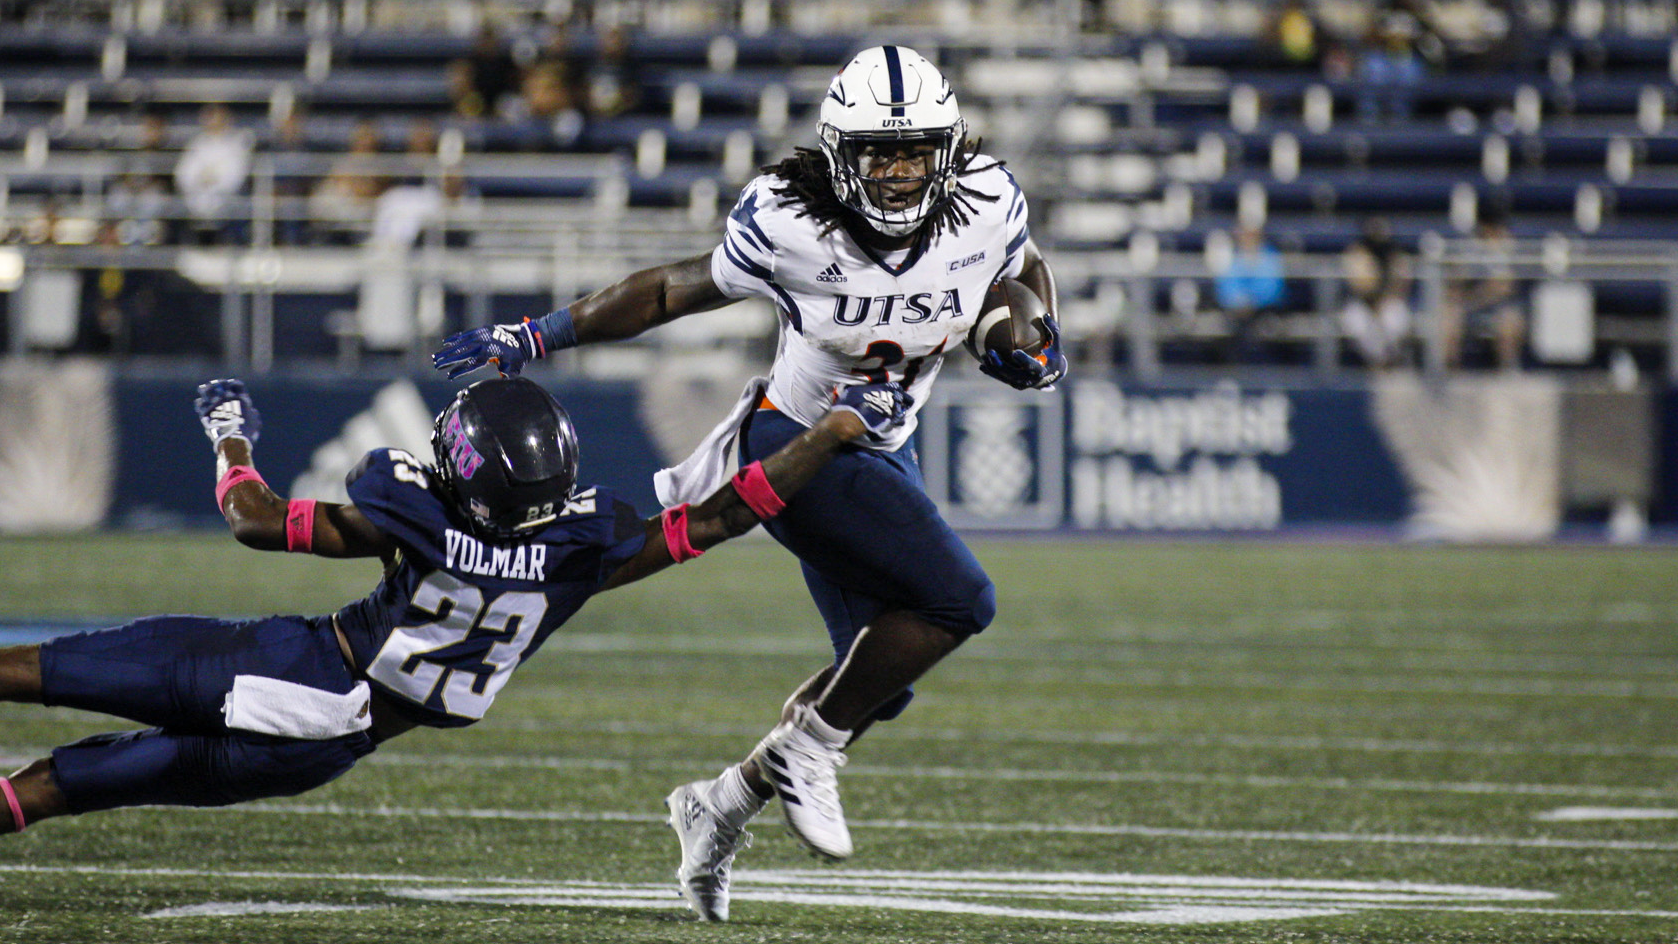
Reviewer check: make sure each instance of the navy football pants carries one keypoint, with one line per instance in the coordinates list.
(174, 672)
(870, 540)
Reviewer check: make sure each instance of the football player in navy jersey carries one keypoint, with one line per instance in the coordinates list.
(877, 249)
(486, 553)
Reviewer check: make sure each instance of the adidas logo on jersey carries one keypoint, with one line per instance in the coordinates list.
(831, 274)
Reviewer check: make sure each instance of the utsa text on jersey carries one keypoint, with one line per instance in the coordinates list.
(915, 308)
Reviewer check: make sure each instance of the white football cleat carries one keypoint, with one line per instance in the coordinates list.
(708, 847)
(803, 771)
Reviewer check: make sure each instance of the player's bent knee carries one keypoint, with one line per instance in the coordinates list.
(984, 605)
(893, 706)
(967, 610)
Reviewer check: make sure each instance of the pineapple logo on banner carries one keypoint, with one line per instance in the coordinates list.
(993, 468)
(994, 458)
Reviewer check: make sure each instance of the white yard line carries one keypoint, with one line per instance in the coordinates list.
(1146, 899)
(1029, 775)
(1590, 814)
(1402, 656)
(230, 909)
(1072, 829)
(538, 762)
(1173, 739)
(1123, 668)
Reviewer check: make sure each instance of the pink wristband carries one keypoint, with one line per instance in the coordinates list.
(18, 821)
(233, 476)
(676, 534)
(754, 489)
(300, 525)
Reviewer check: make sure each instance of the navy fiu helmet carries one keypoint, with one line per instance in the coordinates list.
(507, 454)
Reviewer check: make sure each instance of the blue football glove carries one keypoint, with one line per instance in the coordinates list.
(880, 405)
(508, 347)
(1024, 372)
(226, 410)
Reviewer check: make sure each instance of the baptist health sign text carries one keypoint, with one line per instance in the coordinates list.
(1163, 460)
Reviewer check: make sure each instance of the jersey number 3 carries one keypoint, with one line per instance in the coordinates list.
(889, 355)
(451, 651)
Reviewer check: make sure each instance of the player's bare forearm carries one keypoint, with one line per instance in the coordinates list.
(725, 514)
(1037, 276)
(257, 516)
(647, 299)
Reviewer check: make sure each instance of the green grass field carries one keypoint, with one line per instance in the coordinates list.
(1161, 742)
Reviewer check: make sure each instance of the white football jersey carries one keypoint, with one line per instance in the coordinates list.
(849, 315)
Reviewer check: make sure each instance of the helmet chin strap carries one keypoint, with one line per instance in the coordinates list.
(885, 228)
(879, 219)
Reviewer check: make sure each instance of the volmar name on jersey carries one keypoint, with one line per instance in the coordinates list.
(465, 554)
(468, 555)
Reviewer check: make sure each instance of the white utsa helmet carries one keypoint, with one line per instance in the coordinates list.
(889, 97)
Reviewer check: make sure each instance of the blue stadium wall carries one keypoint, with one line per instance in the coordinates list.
(1209, 459)
(1435, 460)
(165, 468)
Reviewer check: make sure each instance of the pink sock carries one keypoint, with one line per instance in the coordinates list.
(18, 822)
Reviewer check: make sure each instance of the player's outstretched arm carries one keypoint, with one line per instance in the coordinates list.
(761, 489)
(624, 309)
(260, 518)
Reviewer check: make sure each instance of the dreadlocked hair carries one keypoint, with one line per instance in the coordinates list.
(809, 183)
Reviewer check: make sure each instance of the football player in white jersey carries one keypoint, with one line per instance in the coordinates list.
(877, 249)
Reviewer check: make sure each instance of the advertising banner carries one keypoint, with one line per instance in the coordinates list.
(1462, 458)
(1096, 455)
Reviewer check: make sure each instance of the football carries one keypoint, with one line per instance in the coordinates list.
(1010, 319)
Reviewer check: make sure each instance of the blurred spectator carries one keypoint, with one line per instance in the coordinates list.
(212, 169)
(559, 51)
(1294, 33)
(102, 328)
(139, 198)
(419, 155)
(463, 95)
(129, 310)
(613, 86)
(419, 196)
(1488, 304)
(1377, 317)
(359, 175)
(357, 179)
(41, 229)
(487, 75)
(1390, 68)
(293, 182)
(1250, 286)
(550, 112)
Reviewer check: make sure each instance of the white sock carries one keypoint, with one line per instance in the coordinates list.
(811, 721)
(733, 799)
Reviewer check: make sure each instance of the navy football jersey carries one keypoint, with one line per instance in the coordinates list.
(455, 615)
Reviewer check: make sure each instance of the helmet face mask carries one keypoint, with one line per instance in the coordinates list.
(892, 134)
(506, 455)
